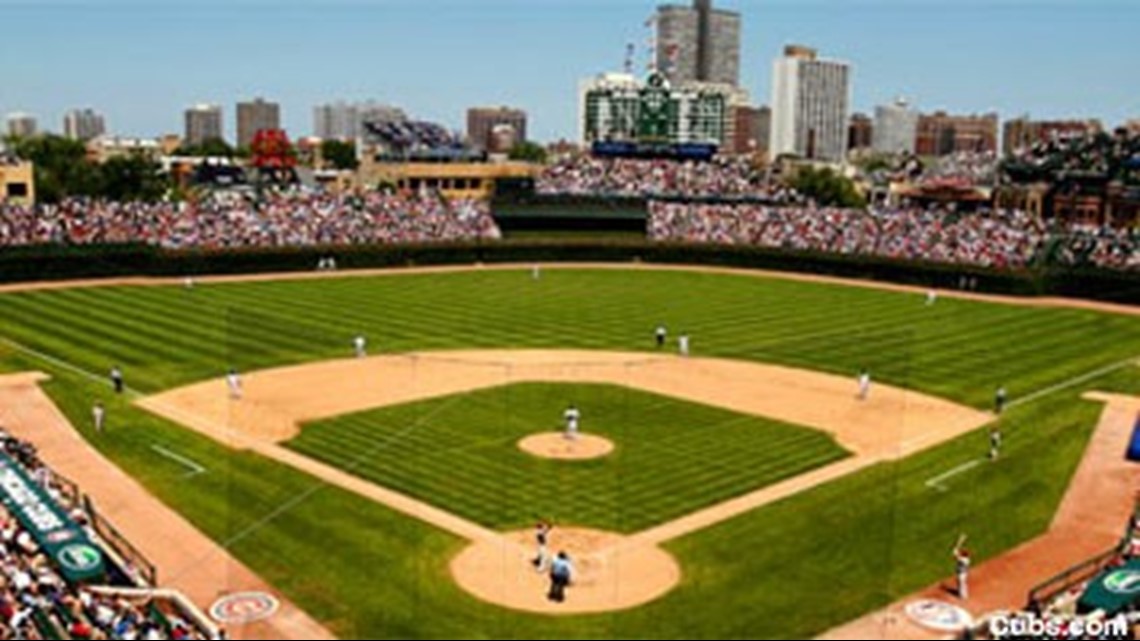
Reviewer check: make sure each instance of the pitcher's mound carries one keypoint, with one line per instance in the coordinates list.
(611, 573)
(555, 445)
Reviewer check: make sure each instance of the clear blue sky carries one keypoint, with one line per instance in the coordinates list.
(141, 63)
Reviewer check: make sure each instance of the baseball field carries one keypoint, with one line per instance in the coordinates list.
(469, 363)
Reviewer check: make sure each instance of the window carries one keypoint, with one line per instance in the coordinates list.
(17, 190)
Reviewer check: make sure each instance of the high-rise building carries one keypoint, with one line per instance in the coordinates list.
(810, 98)
(203, 122)
(896, 127)
(255, 116)
(344, 120)
(1020, 133)
(483, 121)
(860, 132)
(83, 124)
(22, 125)
(942, 134)
(752, 128)
(698, 44)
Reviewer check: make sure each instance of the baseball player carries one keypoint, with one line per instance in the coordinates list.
(233, 380)
(931, 298)
(542, 541)
(995, 443)
(536, 272)
(683, 344)
(561, 575)
(572, 417)
(117, 379)
(188, 283)
(99, 416)
(661, 335)
(360, 346)
(962, 568)
(864, 385)
(1001, 398)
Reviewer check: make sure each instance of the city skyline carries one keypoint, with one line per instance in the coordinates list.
(144, 82)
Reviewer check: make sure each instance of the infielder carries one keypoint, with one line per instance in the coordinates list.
(117, 379)
(99, 416)
(572, 417)
(1001, 398)
(864, 385)
(360, 346)
(542, 541)
(683, 344)
(233, 380)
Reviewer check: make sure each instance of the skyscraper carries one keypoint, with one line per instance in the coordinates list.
(254, 116)
(343, 121)
(482, 121)
(83, 124)
(203, 122)
(810, 102)
(698, 44)
(896, 128)
(22, 125)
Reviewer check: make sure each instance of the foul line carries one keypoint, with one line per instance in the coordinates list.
(74, 369)
(938, 482)
(1073, 382)
(194, 468)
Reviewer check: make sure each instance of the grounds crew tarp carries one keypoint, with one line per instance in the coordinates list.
(64, 542)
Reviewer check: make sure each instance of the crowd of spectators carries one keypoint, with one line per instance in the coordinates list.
(582, 175)
(997, 239)
(1112, 157)
(36, 602)
(293, 218)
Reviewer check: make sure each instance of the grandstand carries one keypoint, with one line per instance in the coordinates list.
(66, 573)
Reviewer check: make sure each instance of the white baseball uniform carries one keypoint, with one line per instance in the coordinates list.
(233, 379)
(360, 344)
(864, 386)
(573, 417)
(683, 344)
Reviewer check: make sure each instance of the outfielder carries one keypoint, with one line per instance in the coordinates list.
(572, 417)
(931, 298)
(683, 344)
(360, 346)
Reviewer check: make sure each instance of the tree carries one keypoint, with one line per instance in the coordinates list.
(132, 178)
(827, 188)
(209, 148)
(528, 152)
(61, 167)
(341, 155)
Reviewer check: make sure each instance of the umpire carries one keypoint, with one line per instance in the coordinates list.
(561, 574)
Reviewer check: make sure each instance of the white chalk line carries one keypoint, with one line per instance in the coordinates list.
(1073, 382)
(195, 468)
(938, 482)
(74, 369)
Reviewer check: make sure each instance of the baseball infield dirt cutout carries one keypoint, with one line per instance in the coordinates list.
(613, 572)
(558, 446)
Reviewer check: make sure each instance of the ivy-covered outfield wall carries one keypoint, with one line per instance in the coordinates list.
(60, 262)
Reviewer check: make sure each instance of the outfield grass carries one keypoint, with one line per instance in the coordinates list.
(460, 453)
(791, 569)
(958, 349)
